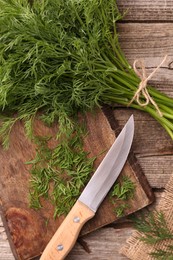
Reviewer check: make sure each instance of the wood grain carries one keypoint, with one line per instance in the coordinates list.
(146, 32)
(152, 146)
(149, 41)
(103, 244)
(5, 250)
(14, 184)
(146, 11)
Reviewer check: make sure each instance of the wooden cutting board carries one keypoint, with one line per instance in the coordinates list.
(28, 230)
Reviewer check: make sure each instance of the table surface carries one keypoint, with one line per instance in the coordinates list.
(145, 32)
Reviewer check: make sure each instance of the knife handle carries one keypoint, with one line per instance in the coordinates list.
(66, 235)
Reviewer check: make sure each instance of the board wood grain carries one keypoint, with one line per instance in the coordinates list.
(14, 185)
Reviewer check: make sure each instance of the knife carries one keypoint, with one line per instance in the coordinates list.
(92, 196)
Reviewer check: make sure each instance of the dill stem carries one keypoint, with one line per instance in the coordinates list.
(126, 83)
(168, 125)
(161, 97)
(167, 110)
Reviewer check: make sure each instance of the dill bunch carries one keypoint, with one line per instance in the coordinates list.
(62, 57)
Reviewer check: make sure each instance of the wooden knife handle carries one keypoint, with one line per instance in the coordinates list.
(66, 235)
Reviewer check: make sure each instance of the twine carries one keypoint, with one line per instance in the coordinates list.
(142, 89)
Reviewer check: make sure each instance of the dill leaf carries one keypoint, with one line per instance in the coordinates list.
(155, 231)
(122, 192)
(59, 174)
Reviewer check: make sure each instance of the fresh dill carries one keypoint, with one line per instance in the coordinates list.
(124, 190)
(120, 210)
(155, 231)
(62, 57)
(121, 193)
(59, 174)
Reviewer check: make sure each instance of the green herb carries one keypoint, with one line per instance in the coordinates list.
(59, 174)
(119, 211)
(155, 229)
(62, 57)
(122, 192)
(163, 254)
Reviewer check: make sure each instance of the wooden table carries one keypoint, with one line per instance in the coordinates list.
(145, 32)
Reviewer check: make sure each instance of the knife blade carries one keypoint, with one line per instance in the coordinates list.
(92, 196)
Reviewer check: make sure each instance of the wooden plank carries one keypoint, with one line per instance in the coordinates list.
(145, 11)
(152, 146)
(151, 139)
(14, 184)
(5, 250)
(158, 169)
(103, 244)
(150, 42)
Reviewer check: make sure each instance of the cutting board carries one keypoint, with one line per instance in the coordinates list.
(30, 230)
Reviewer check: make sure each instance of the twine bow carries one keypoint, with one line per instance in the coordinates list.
(142, 89)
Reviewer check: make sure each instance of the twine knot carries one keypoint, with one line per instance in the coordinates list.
(142, 89)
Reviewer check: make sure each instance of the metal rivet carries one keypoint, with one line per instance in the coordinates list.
(60, 247)
(76, 220)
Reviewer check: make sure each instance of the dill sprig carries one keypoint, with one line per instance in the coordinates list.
(120, 210)
(161, 254)
(154, 229)
(122, 192)
(59, 174)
